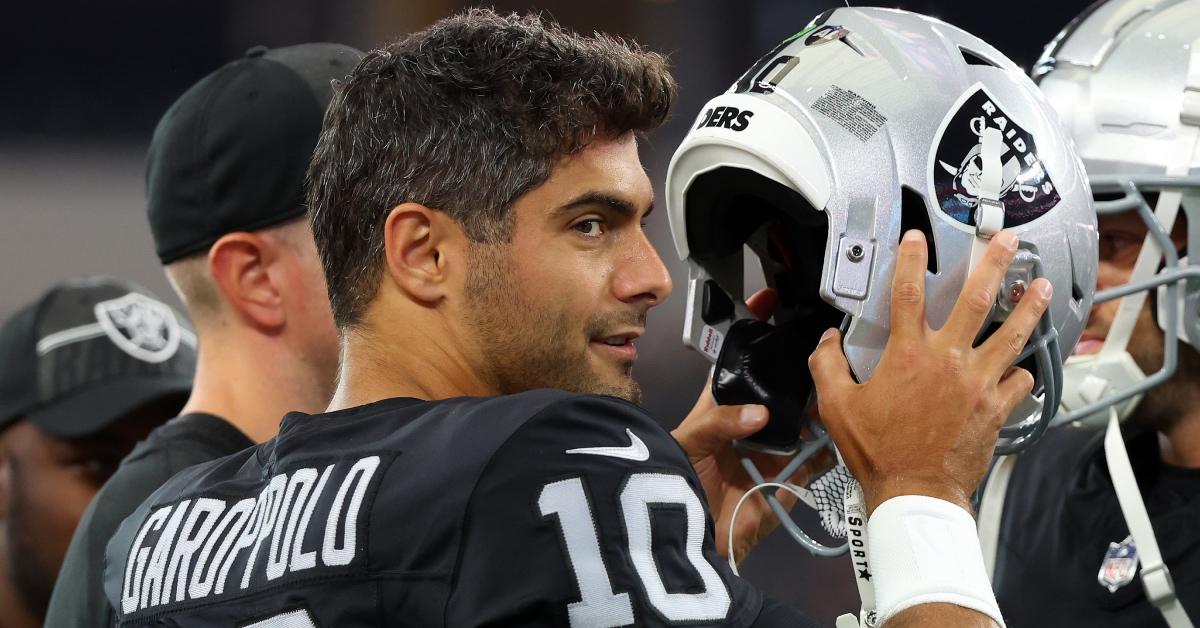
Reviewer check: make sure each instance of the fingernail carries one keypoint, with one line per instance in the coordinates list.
(1046, 289)
(912, 235)
(1007, 239)
(752, 415)
(829, 333)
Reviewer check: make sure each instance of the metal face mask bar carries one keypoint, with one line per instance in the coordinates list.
(1093, 378)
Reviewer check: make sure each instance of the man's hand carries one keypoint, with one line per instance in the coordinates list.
(926, 422)
(707, 435)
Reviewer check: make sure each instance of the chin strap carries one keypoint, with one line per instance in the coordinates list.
(1156, 578)
(989, 214)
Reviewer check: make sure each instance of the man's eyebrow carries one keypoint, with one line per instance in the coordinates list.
(615, 203)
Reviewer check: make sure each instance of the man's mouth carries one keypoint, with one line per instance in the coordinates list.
(618, 345)
(1089, 344)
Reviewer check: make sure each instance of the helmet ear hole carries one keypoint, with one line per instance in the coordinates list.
(914, 214)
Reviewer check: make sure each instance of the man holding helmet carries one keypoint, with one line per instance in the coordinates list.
(483, 461)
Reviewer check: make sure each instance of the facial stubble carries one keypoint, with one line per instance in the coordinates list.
(527, 341)
(1165, 405)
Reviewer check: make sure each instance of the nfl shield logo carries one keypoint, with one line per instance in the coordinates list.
(140, 326)
(1119, 566)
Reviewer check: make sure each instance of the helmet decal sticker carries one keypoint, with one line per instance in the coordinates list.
(853, 112)
(769, 78)
(957, 166)
(749, 81)
(727, 117)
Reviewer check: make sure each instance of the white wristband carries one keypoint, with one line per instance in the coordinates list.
(926, 550)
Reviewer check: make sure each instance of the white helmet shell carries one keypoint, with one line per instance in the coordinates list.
(865, 124)
(1121, 78)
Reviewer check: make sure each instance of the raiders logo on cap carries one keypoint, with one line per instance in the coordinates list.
(140, 326)
(1026, 190)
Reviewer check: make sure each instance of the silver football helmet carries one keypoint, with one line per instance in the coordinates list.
(865, 124)
(1125, 79)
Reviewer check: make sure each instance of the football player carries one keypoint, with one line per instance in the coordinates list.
(478, 204)
(224, 180)
(1079, 513)
(86, 371)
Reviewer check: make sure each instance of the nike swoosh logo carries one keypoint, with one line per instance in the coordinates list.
(636, 450)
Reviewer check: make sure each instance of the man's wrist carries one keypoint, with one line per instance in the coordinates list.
(925, 550)
(879, 492)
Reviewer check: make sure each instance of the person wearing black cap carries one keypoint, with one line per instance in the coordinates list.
(224, 180)
(86, 371)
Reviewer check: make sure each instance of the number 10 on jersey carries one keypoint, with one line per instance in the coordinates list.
(601, 607)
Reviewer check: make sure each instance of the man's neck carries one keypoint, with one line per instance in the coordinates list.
(15, 612)
(419, 361)
(252, 381)
(1180, 445)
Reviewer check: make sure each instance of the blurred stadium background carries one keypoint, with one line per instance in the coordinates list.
(83, 83)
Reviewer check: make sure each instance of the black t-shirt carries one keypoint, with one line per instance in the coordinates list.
(538, 509)
(1061, 514)
(78, 600)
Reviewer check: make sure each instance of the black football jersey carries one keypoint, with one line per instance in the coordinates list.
(538, 509)
(1061, 519)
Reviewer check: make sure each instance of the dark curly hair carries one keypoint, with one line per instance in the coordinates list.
(465, 117)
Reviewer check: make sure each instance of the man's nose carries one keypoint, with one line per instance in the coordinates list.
(641, 276)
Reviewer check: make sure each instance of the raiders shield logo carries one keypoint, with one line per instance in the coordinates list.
(1026, 190)
(1119, 566)
(140, 326)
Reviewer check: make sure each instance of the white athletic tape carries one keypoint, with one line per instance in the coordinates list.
(925, 550)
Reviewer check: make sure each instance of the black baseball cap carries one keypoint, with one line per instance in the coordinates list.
(90, 351)
(231, 153)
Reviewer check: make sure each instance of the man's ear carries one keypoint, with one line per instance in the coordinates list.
(241, 266)
(420, 247)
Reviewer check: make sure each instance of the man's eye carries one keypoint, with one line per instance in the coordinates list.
(1118, 244)
(592, 228)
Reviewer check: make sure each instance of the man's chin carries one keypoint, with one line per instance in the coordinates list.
(622, 386)
(602, 379)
